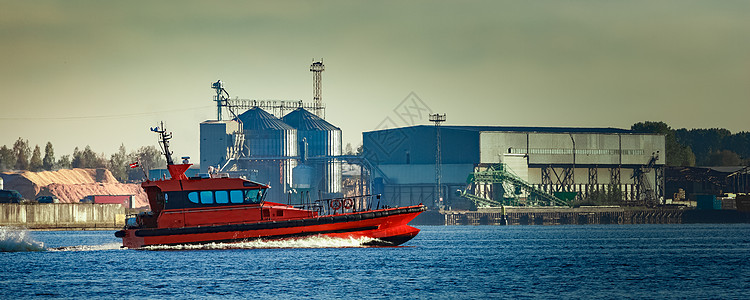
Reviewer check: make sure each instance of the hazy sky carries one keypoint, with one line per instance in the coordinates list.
(99, 73)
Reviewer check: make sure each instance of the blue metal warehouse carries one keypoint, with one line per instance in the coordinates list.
(549, 159)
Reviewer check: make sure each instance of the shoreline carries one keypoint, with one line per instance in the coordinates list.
(581, 216)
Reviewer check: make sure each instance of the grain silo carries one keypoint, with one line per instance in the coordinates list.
(323, 143)
(269, 151)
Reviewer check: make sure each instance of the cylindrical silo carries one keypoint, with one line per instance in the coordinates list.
(323, 143)
(269, 144)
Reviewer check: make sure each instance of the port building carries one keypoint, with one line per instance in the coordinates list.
(562, 161)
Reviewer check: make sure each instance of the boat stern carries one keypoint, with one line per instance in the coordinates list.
(394, 236)
(129, 239)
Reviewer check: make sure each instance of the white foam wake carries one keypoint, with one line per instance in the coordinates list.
(18, 240)
(306, 242)
(112, 246)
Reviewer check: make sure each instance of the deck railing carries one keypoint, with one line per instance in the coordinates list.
(342, 205)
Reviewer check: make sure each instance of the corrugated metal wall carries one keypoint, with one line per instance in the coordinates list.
(573, 148)
(62, 215)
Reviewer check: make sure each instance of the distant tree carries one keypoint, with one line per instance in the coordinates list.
(36, 164)
(88, 159)
(64, 162)
(75, 161)
(724, 158)
(348, 149)
(49, 157)
(704, 142)
(738, 143)
(7, 158)
(676, 153)
(608, 195)
(22, 152)
(149, 157)
(118, 164)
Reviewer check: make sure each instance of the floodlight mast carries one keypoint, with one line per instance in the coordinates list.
(437, 119)
(317, 69)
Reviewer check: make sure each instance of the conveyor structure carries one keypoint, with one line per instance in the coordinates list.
(496, 185)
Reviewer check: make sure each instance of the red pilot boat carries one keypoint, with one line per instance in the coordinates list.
(217, 208)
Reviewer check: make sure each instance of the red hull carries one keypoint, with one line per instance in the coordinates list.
(387, 226)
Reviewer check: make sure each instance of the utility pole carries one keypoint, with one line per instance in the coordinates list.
(437, 119)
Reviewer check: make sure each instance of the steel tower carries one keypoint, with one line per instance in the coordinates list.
(317, 68)
(437, 119)
(220, 99)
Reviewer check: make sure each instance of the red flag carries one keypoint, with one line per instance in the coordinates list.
(134, 165)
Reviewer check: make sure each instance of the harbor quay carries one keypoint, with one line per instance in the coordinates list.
(580, 216)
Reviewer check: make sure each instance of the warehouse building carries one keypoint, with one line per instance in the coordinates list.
(554, 160)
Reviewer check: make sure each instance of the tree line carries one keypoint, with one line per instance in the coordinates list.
(700, 147)
(20, 157)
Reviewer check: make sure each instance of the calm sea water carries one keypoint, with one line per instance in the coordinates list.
(449, 262)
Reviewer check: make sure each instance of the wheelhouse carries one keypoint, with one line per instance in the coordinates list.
(196, 192)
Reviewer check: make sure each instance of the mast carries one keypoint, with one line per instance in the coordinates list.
(164, 142)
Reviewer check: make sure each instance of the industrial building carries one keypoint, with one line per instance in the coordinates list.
(298, 155)
(496, 165)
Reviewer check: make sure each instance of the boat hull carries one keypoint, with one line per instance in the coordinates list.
(388, 227)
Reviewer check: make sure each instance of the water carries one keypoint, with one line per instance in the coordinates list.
(445, 262)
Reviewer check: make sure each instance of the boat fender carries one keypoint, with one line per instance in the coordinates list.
(368, 216)
(120, 234)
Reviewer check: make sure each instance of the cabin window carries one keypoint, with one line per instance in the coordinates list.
(207, 197)
(222, 197)
(251, 196)
(193, 197)
(261, 195)
(236, 196)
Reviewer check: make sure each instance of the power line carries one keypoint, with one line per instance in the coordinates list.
(103, 116)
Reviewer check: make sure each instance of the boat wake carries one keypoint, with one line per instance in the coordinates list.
(112, 246)
(15, 240)
(307, 242)
(18, 240)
